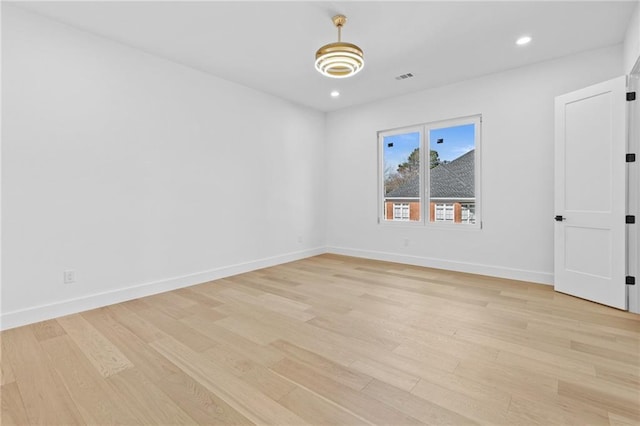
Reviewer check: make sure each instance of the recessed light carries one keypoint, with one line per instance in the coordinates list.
(335, 94)
(523, 40)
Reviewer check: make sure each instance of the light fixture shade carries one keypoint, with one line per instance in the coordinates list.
(339, 59)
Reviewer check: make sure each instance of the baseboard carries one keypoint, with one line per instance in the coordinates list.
(473, 268)
(44, 312)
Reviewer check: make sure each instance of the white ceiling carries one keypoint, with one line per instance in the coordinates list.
(270, 46)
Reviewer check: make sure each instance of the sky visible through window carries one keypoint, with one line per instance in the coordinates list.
(397, 149)
(456, 141)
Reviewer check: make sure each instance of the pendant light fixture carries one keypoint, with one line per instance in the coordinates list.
(340, 59)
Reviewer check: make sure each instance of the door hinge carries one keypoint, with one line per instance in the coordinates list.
(631, 96)
(629, 280)
(631, 158)
(630, 219)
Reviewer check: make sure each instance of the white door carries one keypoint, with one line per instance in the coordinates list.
(590, 190)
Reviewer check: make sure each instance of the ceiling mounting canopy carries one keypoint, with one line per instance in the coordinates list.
(339, 59)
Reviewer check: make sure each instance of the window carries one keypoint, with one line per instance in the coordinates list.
(429, 174)
(401, 175)
(444, 212)
(400, 211)
(468, 213)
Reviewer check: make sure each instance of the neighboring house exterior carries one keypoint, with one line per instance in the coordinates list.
(452, 194)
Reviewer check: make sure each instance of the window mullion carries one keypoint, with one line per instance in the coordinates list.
(424, 172)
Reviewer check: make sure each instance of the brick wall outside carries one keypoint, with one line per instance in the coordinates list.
(389, 209)
(414, 211)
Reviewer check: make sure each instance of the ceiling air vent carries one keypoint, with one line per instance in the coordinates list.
(404, 76)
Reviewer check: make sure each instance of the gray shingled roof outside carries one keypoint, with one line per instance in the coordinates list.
(451, 180)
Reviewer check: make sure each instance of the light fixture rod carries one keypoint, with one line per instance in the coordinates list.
(339, 21)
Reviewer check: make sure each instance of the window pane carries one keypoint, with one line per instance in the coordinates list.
(401, 161)
(452, 173)
(401, 211)
(468, 213)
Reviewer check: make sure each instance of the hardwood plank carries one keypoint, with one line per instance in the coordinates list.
(606, 353)
(189, 293)
(353, 330)
(428, 355)
(353, 401)
(245, 399)
(322, 365)
(519, 382)
(202, 405)
(528, 366)
(94, 398)
(197, 401)
(539, 352)
(486, 394)
(618, 420)
(171, 304)
(12, 411)
(104, 356)
(257, 375)
(476, 410)
(124, 317)
(146, 400)
(412, 327)
(284, 303)
(563, 412)
(386, 373)
(600, 397)
(176, 329)
(45, 398)
(631, 377)
(337, 348)
(6, 370)
(423, 410)
(265, 355)
(275, 288)
(47, 329)
(143, 356)
(249, 329)
(317, 410)
(270, 302)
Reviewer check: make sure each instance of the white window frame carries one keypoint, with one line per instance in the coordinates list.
(425, 148)
(445, 208)
(466, 205)
(402, 207)
(382, 218)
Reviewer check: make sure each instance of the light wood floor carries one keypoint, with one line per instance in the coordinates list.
(330, 340)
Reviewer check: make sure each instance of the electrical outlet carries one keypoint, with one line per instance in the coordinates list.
(299, 238)
(406, 242)
(69, 276)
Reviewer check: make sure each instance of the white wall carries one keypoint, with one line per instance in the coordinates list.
(517, 169)
(632, 41)
(141, 174)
